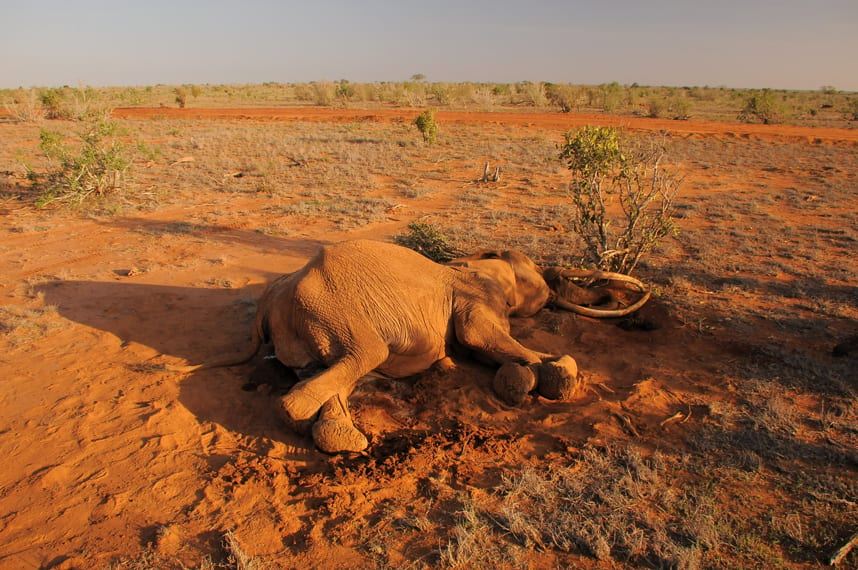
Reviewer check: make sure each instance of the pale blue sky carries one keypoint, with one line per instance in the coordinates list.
(793, 44)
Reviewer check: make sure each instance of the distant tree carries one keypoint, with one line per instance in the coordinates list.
(418, 77)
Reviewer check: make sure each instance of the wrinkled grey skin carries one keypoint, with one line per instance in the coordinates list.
(363, 306)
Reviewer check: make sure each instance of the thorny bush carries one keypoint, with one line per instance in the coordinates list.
(95, 168)
(608, 169)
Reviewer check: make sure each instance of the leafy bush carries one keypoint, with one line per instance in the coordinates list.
(428, 240)
(762, 106)
(54, 105)
(344, 91)
(611, 96)
(81, 103)
(607, 169)
(426, 125)
(96, 168)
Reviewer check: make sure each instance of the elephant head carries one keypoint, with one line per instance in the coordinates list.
(529, 288)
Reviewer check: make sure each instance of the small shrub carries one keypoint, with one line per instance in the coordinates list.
(607, 169)
(86, 103)
(680, 108)
(611, 96)
(428, 240)
(344, 91)
(303, 92)
(564, 96)
(81, 103)
(323, 93)
(53, 102)
(181, 96)
(425, 123)
(501, 90)
(95, 169)
(656, 108)
(442, 93)
(531, 94)
(762, 106)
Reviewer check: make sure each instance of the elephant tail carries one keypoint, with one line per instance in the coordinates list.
(260, 335)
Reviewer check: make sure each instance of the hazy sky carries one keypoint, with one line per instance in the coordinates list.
(794, 44)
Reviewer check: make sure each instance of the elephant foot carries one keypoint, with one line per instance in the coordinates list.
(558, 379)
(301, 427)
(302, 403)
(513, 382)
(338, 436)
(334, 431)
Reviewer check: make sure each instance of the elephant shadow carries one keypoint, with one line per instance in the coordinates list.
(184, 324)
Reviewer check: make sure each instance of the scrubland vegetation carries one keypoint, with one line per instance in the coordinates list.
(827, 106)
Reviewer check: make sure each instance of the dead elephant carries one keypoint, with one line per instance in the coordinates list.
(362, 307)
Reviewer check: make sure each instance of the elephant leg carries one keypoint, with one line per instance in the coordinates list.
(479, 330)
(334, 431)
(522, 370)
(302, 402)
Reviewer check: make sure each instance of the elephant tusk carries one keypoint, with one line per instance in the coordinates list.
(603, 313)
(596, 275)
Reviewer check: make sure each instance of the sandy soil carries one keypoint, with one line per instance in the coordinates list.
(107, 455)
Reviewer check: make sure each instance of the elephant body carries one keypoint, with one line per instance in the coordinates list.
(362, 307)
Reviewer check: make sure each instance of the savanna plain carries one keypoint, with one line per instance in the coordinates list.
(715, 428)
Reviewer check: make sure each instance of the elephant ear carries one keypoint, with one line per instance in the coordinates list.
(582, 298)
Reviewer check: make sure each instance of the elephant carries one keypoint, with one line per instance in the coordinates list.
(364, 307)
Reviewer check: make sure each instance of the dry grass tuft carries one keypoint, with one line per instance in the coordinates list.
(474, 543)
(239, 559)
(612, 503)
(23, 325)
